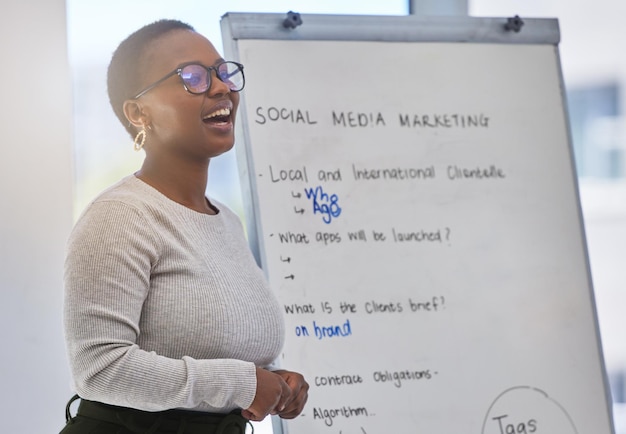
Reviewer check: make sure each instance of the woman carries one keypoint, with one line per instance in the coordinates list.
(170, 324)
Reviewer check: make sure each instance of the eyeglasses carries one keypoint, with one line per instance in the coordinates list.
(196, 78)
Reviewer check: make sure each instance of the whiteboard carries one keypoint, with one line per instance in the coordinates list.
(415, 208)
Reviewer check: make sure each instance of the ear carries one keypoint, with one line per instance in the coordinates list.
(135, 114)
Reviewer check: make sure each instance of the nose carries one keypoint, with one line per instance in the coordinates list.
(217, 87)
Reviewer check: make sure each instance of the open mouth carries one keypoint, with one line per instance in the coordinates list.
(220, 116)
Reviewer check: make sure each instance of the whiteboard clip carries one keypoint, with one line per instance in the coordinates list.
(292, 21)
(514, 24)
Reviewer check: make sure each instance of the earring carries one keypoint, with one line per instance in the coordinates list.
(140, 139)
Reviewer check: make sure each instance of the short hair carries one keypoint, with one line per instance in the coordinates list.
(127, 62)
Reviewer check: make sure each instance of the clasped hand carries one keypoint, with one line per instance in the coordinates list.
(281, 393)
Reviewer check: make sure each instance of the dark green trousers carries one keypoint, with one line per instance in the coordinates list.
(97, 418)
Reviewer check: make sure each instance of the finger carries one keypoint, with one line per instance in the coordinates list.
(294, 380)
(295, 386)
(286, 397)
(253, 415)
(248, 414)
(296, 406)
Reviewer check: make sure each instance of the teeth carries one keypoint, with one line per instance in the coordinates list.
(220, 112)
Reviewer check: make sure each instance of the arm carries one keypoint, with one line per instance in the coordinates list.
(107, 278)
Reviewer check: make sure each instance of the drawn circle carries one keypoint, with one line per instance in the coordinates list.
(527, 410)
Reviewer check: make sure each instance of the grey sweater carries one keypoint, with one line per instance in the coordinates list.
(165, 307)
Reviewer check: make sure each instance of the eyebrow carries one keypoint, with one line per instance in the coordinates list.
(198, 62)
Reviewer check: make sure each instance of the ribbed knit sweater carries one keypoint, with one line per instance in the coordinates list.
(165, 307)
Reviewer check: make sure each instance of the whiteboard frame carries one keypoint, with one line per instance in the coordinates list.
(390, 28)
(373, 28)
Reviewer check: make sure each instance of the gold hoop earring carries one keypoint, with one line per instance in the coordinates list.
(140, 139)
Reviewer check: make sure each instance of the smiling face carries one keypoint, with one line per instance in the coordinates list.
(182, 124)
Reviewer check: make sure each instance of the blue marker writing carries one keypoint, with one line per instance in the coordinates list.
(323, 203)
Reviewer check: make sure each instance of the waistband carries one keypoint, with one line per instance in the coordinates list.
(175, 421)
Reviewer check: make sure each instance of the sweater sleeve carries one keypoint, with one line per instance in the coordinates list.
(111, 253)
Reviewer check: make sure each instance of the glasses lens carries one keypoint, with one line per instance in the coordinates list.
(195, 78)
(231, 73)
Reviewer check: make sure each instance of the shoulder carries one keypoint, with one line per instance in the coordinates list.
(129, 196)
(129, 191)
(227, 214)
(123, 208)
(224, 209)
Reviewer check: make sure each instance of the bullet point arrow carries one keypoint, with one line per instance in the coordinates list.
(298, 211)
(291, 276)
(296, 195)
(288, 259)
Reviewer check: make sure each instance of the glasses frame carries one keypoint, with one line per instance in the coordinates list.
(178, 71)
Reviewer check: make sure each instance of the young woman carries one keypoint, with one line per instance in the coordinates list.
(170, 325)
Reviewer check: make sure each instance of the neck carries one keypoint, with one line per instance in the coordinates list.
(185, 185)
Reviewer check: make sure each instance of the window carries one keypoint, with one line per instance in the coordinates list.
(595, 120)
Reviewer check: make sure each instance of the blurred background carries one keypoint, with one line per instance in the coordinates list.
(594, 70)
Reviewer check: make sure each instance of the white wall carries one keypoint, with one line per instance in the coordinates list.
(36, 213)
